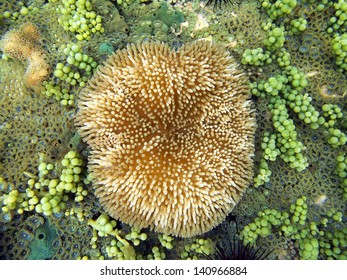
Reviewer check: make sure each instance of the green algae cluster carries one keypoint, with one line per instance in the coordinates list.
(295, 55)
(312, 239)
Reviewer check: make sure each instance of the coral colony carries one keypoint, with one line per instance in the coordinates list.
(227, 114)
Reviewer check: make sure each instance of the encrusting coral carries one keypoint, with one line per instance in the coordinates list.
(171, 136)
(24, 44)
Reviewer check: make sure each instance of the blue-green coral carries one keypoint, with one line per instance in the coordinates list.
(42, 246)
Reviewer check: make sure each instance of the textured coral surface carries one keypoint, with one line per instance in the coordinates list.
(294, 54)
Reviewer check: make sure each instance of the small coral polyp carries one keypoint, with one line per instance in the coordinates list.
(24, 44)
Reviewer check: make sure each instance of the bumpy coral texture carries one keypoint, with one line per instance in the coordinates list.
(24, 44)
(171, 136)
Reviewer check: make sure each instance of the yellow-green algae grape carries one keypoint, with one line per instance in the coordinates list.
(79, 18)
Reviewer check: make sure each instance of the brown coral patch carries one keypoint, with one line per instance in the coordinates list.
(24, 44)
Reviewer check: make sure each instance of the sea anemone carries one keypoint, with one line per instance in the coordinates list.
(171, 135)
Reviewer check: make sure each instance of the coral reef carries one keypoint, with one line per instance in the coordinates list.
(294, 53)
